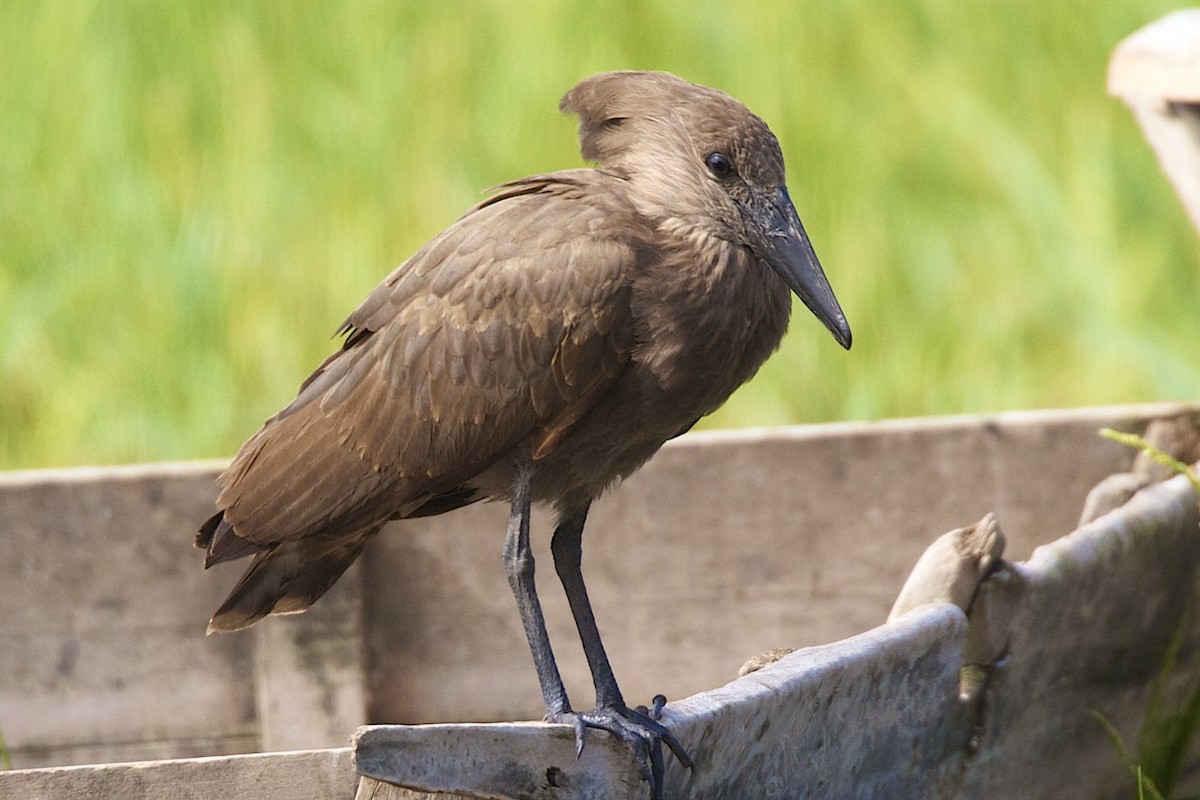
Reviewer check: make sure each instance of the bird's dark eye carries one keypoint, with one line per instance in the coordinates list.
(719, 164)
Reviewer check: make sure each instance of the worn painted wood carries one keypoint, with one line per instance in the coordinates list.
(103, 655)
(1089, 620)
(501, 760)
(934, 704)
(1156, 71)
(797, 728)
(1083, 627)
(307, 775)
(102, 646)
(808, 531)
(952, 568)
(310, 678)
(371, 789)
(1161, 59)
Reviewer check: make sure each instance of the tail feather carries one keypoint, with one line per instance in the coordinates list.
(252, 598)
(311, 583)
(286, 580)
(221, 543)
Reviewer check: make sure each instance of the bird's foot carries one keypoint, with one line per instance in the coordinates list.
(637, 727)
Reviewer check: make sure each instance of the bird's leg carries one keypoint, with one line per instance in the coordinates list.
(567, 549)
(637, 727)
(518, 565)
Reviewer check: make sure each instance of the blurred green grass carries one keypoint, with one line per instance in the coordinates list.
(193, 195)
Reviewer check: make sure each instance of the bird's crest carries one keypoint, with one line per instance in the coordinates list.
(608, 102)
(622, 113)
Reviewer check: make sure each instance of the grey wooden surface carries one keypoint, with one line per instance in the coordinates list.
(725, 545)
(301, 775)
(103, 606)
(1083, 628)
(871, 716)
(1090, 618)
(1156, 71)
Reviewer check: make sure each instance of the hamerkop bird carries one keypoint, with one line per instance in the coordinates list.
(540, 349)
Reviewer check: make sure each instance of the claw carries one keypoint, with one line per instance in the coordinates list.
(640, 730)
(656, 771)
(681, 755)
(580, 734)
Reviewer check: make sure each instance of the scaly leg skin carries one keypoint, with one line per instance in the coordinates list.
(639, 728)
(519, 566)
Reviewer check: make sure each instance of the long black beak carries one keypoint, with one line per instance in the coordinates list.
(777, 237)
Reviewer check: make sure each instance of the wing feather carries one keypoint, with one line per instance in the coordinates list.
(505, 329)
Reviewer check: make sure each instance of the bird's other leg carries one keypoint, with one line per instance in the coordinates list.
(637, 727)
(519, 566)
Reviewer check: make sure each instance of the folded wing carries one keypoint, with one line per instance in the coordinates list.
(502, 332)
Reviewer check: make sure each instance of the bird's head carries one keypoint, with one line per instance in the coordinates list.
(702, 164)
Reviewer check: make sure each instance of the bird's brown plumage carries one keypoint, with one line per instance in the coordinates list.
(575, 321)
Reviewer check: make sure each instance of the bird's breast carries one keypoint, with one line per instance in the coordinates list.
(703, 324)
(706, 319)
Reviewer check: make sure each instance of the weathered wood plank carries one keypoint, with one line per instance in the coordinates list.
(1090, 619)
(103, 605)
(306, 775)
(1160, 60)
(102, 612)
(310, 676)
(810, 532)
(1156, 71)
(103, 601)
(1083, 627)
(371, 789)
(788, 730)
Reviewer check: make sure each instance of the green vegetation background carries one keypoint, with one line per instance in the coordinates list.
(194, 195)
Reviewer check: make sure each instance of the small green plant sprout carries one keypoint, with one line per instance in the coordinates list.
(1147, 790)
(1138, 443)
(1167, 730)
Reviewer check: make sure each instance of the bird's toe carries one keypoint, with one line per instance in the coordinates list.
(657, 703)
(640, 729)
